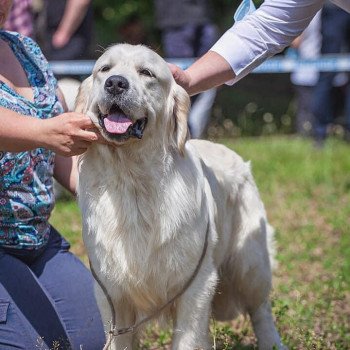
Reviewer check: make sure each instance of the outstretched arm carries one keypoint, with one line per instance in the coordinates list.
(211, 70)
(67, 134)
(248, 43)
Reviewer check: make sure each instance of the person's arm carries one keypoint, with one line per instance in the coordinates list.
(66, 172)
(211, 70)
(73, 16)
(61, 98)
(66, 168)
(248, 43)
(67, 134)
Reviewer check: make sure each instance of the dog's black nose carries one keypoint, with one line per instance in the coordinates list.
(116, 84)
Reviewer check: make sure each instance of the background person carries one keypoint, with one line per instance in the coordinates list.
(69, 29)
(335, 29)
(306, 46)
(187, 31)
(46, 293)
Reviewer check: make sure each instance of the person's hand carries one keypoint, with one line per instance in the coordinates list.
(59, 39)
(69, 133)
(209, 71)
(181, 77)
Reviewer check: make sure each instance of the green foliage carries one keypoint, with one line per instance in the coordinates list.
(110, 15)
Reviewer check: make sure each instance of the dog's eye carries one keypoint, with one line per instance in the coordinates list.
(146, 72)
(105, 68)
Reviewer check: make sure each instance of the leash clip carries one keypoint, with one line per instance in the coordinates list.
(122, 331)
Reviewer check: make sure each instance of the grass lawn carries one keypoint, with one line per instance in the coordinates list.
(307, 197)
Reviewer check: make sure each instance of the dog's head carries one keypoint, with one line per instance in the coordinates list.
(131, 96)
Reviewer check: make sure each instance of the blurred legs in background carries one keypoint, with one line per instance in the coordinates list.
(335, 27)
(306, 46)
(305, 119)
(186, 41)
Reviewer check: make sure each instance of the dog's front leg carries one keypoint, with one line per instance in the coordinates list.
(123, 318)
(193, 310)
(264, 328)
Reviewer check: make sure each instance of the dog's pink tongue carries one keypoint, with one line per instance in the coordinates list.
(117, 123)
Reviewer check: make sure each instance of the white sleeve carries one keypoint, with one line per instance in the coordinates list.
(264, 33)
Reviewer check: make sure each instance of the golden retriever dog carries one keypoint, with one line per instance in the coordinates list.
(165, 216)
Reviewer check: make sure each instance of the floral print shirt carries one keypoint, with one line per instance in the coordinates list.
(26, 183)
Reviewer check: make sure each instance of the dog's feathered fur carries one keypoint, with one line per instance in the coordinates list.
(147, 204)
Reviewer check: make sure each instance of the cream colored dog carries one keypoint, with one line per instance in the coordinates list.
(150, 200)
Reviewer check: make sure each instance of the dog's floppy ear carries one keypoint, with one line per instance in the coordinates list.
(181, 108)
(81, 102)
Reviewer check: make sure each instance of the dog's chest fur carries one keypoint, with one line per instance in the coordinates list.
(131, 229)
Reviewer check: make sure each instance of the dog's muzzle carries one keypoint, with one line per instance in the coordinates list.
(119, 127)
(116, 124)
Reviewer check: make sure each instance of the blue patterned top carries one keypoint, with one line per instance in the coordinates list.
(26, 187)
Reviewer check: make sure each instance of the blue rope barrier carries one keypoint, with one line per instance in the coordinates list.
(326, 63)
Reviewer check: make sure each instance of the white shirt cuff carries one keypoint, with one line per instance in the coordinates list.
(238, 54)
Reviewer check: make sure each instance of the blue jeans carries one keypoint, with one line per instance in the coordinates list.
(335, 23)
(47, 300)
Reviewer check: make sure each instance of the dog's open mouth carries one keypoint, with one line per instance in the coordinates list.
(118, 126)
